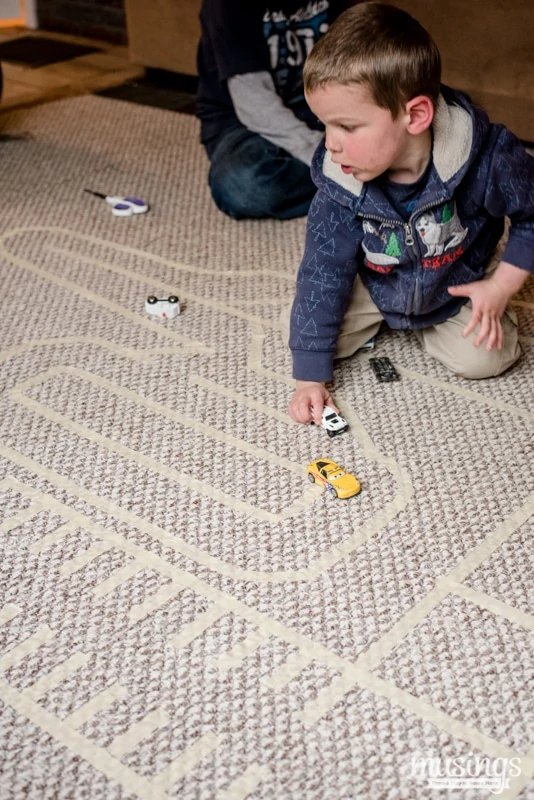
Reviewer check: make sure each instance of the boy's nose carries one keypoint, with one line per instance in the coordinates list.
(332, 144)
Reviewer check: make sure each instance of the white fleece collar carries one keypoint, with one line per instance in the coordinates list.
(453, 138)
(334, 171)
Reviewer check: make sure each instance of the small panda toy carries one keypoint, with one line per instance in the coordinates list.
(164, 307)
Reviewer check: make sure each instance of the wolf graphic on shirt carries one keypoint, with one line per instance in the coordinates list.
(440, 236)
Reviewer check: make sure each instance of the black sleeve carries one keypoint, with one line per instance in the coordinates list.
(232, 31)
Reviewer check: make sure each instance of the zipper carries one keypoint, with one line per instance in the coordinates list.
(428, 206)
(416, 296)
(408, 238)
(410, 242)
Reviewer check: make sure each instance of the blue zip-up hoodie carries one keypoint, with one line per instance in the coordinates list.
(480, 174)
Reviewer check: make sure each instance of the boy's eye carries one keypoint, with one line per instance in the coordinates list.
(348, 128)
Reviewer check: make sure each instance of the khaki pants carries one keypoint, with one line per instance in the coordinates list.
(444, 341)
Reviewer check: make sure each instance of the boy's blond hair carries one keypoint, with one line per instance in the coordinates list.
(382, 48)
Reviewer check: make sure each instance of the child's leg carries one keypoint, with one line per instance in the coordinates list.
(250, 177)
(361, 322)
(445, 343)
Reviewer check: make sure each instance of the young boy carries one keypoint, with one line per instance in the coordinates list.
(414, 185)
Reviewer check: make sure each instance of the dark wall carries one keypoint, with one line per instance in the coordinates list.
(96, 19)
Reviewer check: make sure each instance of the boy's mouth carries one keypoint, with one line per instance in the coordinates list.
(345, 169)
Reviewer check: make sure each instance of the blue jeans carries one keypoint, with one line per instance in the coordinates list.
(250, 177)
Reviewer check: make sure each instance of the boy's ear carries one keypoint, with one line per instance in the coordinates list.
(421, 113)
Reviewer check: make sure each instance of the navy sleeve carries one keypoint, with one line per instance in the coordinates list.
(510, 193)
(324, 285)
(232, 29)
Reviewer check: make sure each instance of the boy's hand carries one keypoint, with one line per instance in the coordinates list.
(308, 402)
(489, 301)
(489, 298)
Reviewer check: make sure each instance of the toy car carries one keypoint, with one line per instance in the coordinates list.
(165, 307)
(333, 477)
(369, 345)
(333, 423)
(384, 369)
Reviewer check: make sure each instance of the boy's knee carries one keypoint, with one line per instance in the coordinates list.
(477, 363)
(257, 180)
(446, 343)
(243, 191)
(234, 190)
(476, 369)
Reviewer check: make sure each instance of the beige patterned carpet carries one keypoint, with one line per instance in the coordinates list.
(182, 614)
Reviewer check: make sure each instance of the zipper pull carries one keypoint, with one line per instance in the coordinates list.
(408, 238)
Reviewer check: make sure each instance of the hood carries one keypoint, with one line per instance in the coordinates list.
(458, 130)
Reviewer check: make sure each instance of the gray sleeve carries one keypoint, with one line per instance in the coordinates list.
(260, 109)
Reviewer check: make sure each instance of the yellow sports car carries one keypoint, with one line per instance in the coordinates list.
(333, 477)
